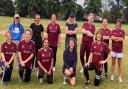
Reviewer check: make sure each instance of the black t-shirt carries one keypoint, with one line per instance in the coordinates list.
(71, 27)
(37, 29)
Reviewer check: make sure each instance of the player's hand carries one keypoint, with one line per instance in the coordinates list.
(102, 62)
(87, 64)
(71, 69)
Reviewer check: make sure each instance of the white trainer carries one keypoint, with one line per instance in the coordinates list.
(112, 77)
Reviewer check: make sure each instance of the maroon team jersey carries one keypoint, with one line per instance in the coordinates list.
(8, 50)
(117, 46)
(89, 27)
(105, 32)
(45, 57)
(98, 51)
(26, 49)
(53, 31)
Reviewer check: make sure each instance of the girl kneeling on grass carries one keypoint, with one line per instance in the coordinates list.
(26, 50)
(8, 50)
(45, 62)
(70, 61)
(96, 59)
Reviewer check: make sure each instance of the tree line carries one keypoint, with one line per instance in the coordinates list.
(111, 9)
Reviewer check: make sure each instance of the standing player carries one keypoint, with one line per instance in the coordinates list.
(37, 36)
(117, 37)
(71, 30)
(88, 30)
(53, 30)
(106, 35)
(96, 59)
(26, 50)
(45, 62)
(70, 61)
(17, 30)
(8, 50)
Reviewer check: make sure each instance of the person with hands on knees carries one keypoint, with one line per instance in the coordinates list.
(70, 61)
(45, 62)
(26, 50)
(96, 59)
(8, 51)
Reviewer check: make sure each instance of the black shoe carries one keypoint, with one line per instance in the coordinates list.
(106, 76)
(87, 84)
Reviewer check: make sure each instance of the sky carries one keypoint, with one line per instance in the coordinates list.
(81, 2)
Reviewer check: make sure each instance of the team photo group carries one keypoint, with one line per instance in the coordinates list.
(36, 48)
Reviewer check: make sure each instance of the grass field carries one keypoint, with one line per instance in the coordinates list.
(58, 83)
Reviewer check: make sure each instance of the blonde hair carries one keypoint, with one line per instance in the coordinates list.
(68, 21)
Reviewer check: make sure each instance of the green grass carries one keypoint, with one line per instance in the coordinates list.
(34, 84)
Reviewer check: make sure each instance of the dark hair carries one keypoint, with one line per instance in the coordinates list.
(97, 34)
(118, 20)
(72, 39)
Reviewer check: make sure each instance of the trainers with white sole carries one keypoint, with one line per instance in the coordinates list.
(112, 77)
(54, 69)
(82, 70)
(120, 80)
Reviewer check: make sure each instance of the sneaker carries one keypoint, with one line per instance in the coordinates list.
(112, 77)
(4, 83)
(65, 80)
(87, 84)
(106, 75)
(120, 80)
(54, 69)
(82, 70)
(20, 80)
(41, 80)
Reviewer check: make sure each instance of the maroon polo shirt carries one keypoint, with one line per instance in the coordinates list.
(26, 49)
(45, 57)
(98, 51)
(105, 32)
(89, 27)
(53, 31)
(117, 46)
(8, 50)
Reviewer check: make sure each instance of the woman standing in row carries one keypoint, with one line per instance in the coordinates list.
(117, 36)
(37, 36)
(53, 31)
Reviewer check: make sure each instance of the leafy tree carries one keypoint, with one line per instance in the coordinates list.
(93, 6)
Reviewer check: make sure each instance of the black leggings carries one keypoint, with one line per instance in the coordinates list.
(106, 64)
(49, 77)
(97, 72)
(27, 73)
(54, 52)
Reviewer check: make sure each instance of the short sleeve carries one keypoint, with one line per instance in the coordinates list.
(42, 28)
(33, 48)
(2, 48)
(59, 31)
(92, 48)
(19, 46)
(106, 48)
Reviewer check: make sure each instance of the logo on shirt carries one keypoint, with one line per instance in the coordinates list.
(16, 30)
(23, 46)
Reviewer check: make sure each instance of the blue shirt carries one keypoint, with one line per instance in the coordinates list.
(17, 30)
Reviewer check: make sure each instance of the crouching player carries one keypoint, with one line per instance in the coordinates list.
(26, 50)
(8, 50)
(70, 61)
(45, 62)
(96, 59)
